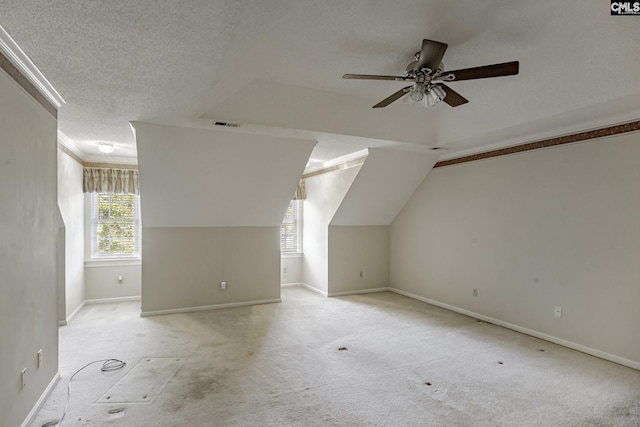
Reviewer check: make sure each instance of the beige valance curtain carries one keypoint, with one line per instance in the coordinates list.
(117, 181)
(301, 192)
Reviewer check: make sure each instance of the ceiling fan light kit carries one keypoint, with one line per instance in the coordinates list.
(424, 96)
(428, 76)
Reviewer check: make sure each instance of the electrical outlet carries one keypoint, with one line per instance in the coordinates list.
(223, 285)
(557, 311)
(39, 358)
(23, 377)
(475, 292)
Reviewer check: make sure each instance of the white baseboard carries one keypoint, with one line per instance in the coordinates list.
(43, 397)
(72, 315)
(208, 307)
(304, 285)
(336, 294)
(591, 351)
(359, 292)
(95, 301)
(116, 299)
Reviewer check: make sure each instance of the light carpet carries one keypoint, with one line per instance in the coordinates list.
(367, 360)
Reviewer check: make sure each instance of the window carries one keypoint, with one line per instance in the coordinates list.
(115, 225)
(291, 228)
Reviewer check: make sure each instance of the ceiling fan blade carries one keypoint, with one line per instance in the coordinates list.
(495, 70)
(431, 54)
(453, 98)
(388, 100)
(373, 77)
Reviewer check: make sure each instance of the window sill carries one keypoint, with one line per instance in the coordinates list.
(112, 262)
(290, 254)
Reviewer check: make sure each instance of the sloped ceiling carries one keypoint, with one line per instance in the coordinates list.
(280, 62)
(383, 186)
(193, 177)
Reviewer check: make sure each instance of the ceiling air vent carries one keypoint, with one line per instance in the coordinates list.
(227, 124)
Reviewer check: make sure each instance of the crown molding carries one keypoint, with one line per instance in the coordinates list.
(71, 146)
(124, 166)
(346, 158)
(572, 138)
(21, 61)
(344, 162)
(598, 116)
(104, 159)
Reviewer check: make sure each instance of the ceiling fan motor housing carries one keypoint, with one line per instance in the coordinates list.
(428, 68)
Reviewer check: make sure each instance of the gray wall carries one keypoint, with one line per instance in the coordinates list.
(358, 235)
(347, 216)
(247, 258)
(531, 231)
(28, 226)
(71, 204)
(354, 250)
(101, 280)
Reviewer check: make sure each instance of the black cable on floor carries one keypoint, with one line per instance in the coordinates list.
(108, 365)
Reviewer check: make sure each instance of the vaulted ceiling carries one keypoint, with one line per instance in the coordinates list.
(275, 67)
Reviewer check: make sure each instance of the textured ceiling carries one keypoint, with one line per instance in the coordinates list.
(278, 64)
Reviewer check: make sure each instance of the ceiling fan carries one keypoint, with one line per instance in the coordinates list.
(427, 74)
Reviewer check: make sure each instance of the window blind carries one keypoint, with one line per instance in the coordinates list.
(289, 230)
(115, 225)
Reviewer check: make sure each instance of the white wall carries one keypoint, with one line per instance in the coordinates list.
(531, 231)
(71, 203)
(212, 205)
(192, 177)
(28, 226)
(290, 269)
(61, 302)
(324, 195)
(388, 178)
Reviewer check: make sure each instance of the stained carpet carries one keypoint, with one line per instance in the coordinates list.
(369, 360)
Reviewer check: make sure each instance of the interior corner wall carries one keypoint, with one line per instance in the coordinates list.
(29, 228)
(553, 227)
(358, 235)
(247, 258)
(324, 194)
(358, 258)
(71, 204)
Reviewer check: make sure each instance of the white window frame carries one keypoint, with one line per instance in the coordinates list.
(95, 255)
(298, 250)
